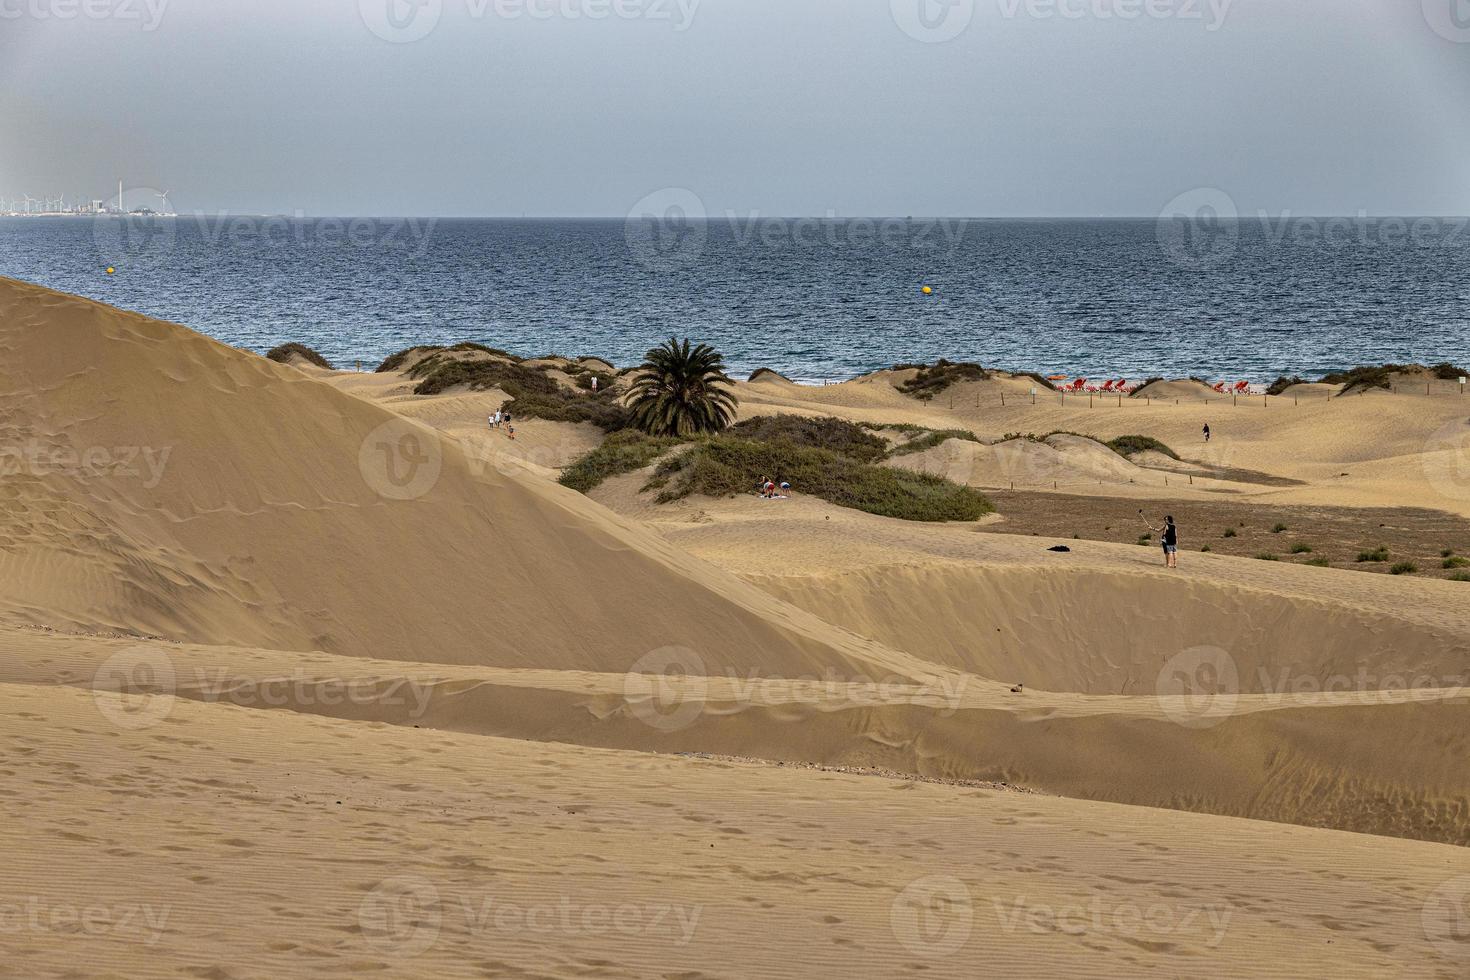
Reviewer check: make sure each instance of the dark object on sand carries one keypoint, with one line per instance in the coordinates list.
(1017, 689)
(1061, 549)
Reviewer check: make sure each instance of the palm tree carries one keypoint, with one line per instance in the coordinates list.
(680, 391)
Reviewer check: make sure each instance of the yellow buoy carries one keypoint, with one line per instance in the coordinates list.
(928, 290)
(110, 270)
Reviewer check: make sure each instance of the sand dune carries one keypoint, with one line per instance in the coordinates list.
(1023, 462)
(336, 647)
(281, 845)
(280, 512)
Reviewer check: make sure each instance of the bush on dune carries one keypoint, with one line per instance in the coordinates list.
(837, 435)
(438, 374)
(622, 452)
(1381, 376)
(1040, 380)
(285, 352)
(726, 466)
(1281, 384)
(932, 380)
(930, 438)
(1129, 446)
(533, 392)
(393, 362)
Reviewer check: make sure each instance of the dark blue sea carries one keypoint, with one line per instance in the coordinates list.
(815, 299)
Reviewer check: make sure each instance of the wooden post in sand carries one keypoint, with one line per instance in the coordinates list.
(1002, 400)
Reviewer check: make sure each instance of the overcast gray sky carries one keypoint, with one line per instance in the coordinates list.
(784, 107)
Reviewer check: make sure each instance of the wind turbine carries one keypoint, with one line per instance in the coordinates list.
(163, 199)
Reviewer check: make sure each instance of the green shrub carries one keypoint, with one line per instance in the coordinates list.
(1282, 383)
(1460, 577)
(1041, 380)
(1278, 529)
(724, 466)
(1267, 556)
(1319, 562)
(604, 409)
(285, 352)
(1360, 378)
(1207, 548)
(930, 439)
(1456, 562)
(395, 361)
(837, 435)
(622, 452)
(931, 380)
(1379, 554)
(1130, 445)
(470, 345)
(1381, 376)
(1404, 568)
(1230, 532)
(533, 392)
(1301, 549)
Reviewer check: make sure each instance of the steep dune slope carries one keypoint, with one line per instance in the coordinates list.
(162, 483)
(1090, 631)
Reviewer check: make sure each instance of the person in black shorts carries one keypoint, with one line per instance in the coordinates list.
(1170, 538)
(1207, 432)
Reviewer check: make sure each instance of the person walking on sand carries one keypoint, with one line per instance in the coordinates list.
(1170, 538)
(1207, 432)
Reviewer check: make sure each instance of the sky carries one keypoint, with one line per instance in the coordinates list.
(769, 107)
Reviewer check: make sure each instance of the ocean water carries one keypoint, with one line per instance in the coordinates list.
(817, 299)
